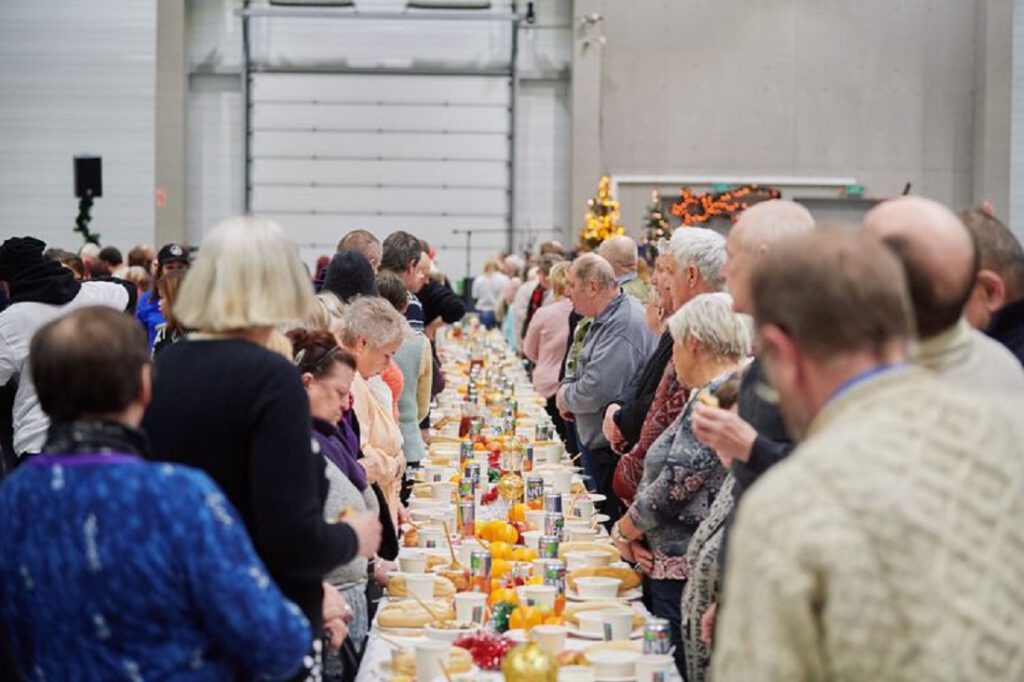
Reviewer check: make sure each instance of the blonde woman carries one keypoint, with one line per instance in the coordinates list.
(547, 338)
(226, 404)
(372, 331)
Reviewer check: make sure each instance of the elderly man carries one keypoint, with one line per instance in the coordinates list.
(888, 546)
(402, 255)
(753, 438)
(940, 260)
(126, 562)
(698, 255)
(996, 304)
(364, 242)
(621, 252)
(616, 346)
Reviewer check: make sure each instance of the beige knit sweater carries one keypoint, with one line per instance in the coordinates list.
(888, 547)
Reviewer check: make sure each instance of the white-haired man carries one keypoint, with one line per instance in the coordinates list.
(698, 255)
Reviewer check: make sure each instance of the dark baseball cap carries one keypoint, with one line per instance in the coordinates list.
(170, 253)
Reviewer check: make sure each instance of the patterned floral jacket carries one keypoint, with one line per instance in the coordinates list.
(681, 479)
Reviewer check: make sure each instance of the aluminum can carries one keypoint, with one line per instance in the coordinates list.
(465, 450)
(480, 571)
(528, 458)
(547, 548)
(553, 502)
(467, 517)
(657, 636)
(466, 487)
(534, 489)
(554, 524)
(554, 574)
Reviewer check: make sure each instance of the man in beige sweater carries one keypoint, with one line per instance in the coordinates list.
(888, 547)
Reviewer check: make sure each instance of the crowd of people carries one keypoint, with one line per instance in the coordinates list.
(805, 439)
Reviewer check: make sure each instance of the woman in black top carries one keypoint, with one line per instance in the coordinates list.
(225, 404)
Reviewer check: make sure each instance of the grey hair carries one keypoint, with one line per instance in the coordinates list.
(374, 319)
(710, 319)
(702, 248)
(590, 266)
(328, 313)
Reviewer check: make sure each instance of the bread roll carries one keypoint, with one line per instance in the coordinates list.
(630, 579)
(399, 589)
(573, 609)
(409, 614)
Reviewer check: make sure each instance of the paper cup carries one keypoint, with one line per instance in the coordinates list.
(470, 606)
(560, 480)
(654, 667)
(429, 657)
(535, 519)
(531, 538)
(550, 638)
(412, 561)
(584, 509)
(421, 585)
(442, 491)
(431, 538)
(541, 595)
(618, 625)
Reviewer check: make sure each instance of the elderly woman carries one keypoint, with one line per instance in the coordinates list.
(227, 405)
(372, 332)
(681, 475)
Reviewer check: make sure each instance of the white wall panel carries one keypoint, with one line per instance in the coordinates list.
(383, 173)
(77, 78)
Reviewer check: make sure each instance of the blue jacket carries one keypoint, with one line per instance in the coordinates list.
(148, 313)
(116, 568)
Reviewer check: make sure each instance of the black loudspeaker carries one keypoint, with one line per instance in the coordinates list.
(88, 176)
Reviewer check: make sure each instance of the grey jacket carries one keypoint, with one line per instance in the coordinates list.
(617, 345)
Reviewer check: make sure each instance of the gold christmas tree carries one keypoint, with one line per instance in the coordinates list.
(602, 217)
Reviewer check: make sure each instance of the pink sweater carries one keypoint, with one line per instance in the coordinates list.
(545, 344)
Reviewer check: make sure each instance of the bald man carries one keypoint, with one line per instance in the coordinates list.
(941, 263)
(616, 347)
(622, 253)
(754, 438)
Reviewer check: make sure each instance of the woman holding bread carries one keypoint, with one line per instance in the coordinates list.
(681, 475)
(327, 372)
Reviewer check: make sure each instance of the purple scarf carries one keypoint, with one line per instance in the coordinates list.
(339, 444)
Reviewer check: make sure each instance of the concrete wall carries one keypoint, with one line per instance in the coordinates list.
(77, 77)
(885, 91)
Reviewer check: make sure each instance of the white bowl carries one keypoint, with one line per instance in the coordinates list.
(595, 558)
(592, 622)
(581, 534)
(450, 634)
(613, 662)
(598, 588)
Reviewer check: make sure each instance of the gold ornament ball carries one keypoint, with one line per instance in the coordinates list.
(510, 487)
(528, 663)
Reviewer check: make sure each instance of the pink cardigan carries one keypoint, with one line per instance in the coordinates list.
(545, 344)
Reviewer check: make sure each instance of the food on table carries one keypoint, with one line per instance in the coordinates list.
(506, 594)
(572, 611)
(411, 614)
(443, 588)
(568, 657)
(433, 561)
(517, 513)
(526, 617)
(458, 578)
(566, 547)
(459, 661)
(487, 650)
(497, 530)
(630, 578)
(411, 537)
